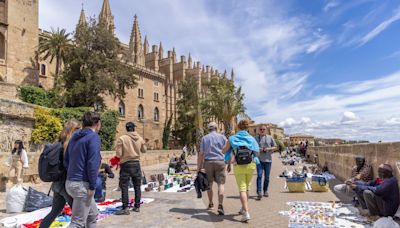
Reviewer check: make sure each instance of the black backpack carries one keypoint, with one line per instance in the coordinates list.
(51, 163)
(243, 155)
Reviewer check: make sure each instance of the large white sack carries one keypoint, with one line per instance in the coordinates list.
(386, 222)
(15, 199)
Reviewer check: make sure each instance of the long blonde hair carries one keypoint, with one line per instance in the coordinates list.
(69, 128)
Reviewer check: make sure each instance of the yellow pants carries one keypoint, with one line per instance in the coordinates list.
(244, 175)
(17, 167)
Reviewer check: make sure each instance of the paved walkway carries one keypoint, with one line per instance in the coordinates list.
(185, 210)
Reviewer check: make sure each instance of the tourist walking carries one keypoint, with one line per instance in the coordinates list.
(211, 159)
(82, 161)
(267, 146)
(245, 150)
(128, 149)
(17, 161)
(60, 195)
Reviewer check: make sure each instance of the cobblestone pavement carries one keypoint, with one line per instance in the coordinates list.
(185, 210)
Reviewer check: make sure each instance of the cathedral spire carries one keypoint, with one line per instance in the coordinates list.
(146, 45)
(105, 15)
(225, 74)
(232, 76)
(161, 52)
(135, 44)
(82, 17)
(173, 55)
(190, 61)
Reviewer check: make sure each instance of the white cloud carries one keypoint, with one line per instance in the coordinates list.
(348, 117)
(381, 27)
(330, 5)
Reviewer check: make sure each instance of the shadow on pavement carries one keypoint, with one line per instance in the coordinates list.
(205, 215)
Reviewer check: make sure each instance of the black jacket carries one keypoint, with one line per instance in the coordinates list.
(201, 184)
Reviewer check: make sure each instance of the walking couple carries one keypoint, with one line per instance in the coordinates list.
(242, 150)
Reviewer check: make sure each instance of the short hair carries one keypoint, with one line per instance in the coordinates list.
(130, 126)
(243, 125)
(90, 119)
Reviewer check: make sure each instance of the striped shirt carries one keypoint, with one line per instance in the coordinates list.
(365, 173)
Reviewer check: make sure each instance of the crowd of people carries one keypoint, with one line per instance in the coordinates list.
(245, 153)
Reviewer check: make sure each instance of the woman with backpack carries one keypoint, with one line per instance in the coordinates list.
(60, 195)
(17, 161)
(244, 151)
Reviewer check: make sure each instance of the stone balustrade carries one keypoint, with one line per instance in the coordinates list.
(340, 158)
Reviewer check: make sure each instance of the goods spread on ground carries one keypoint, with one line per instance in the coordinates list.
(33, 219)
(304, 214)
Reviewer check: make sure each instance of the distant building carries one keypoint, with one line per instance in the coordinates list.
(296, 139)
(272, 129)
(321, 141)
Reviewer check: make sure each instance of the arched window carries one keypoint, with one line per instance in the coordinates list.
(121, 108)
(42, 69)
(140, 112)
(156, 114)
(2, 46)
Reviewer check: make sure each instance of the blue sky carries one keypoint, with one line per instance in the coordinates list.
(329, 68)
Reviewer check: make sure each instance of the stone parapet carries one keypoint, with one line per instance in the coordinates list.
(8, 91)
(340, 158)
(151, 157)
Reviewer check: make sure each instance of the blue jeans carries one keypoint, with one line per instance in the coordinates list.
(263, 167)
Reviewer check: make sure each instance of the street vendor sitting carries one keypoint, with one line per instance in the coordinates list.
(360, 172)
(380, 197)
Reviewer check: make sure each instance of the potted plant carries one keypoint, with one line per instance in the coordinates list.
(3, 183)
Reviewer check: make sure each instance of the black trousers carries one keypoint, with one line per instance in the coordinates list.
(130, 171)
(60, 197)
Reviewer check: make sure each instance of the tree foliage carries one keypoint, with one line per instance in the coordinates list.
(34, 95)
(94, 67)
(109, 124)
(188, 113)
(47, 127)
(166, 133)
(224, 102)
(54, 45)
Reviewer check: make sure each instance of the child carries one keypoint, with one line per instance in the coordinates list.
(17, 160)
(100, 193)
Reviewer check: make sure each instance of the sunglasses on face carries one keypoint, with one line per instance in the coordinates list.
(262, 129)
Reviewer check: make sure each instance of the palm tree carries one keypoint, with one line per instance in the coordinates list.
(224, 102)
(54, 45)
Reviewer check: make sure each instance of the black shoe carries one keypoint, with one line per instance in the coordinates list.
(123, 212)
(210, 206)
(136, 209)
(221, 210)
(259, 196)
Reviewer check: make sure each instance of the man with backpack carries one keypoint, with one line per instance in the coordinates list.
(212, 160)
(82, 161)
(267, 145)
(128, 149)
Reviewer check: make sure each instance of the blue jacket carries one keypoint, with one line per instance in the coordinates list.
(243, 138)
(82, 158)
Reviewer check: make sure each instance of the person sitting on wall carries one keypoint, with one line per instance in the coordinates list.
(380, 197)
(360, 172)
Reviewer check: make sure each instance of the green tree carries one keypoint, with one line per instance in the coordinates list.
(187, 126)
(94, 67)
(166, 133)
(224, 102)
(55, 45)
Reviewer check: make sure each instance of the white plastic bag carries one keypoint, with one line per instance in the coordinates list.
(386, 222)
(15, 199)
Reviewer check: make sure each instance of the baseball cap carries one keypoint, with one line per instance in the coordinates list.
(212, 125)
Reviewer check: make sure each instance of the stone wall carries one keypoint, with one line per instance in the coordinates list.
(340, 158)
(16, 122)
(151, 157)
(8, 91)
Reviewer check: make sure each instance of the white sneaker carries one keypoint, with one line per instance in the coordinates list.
(245, 217)
(241, 212)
